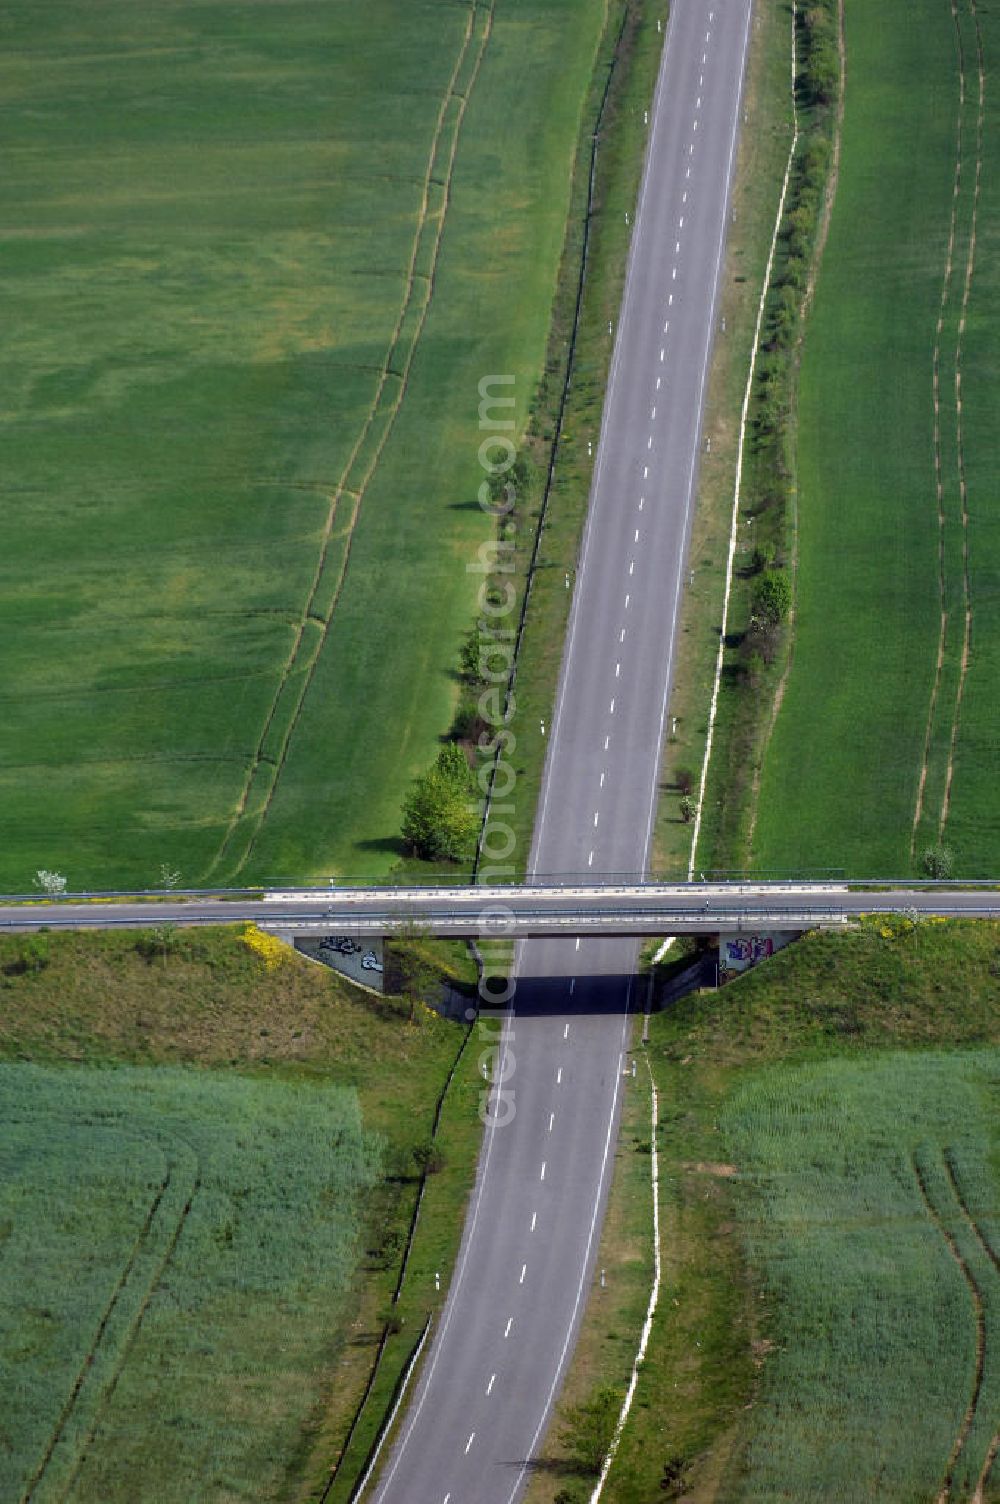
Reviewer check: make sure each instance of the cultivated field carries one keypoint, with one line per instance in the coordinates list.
(873, 1225)
(829, 1319)
(209, 1164)
(887, 737)
(177, 1247)
(257, 261)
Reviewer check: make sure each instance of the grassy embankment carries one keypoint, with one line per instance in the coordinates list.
(867, 732)
(286, 1113)
(829, 1323)
(763, 153)
(258, 266)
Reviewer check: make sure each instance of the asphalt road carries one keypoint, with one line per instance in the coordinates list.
(522, 912)
(526, 1265)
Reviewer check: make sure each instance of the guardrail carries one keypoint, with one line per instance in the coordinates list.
(610, 882)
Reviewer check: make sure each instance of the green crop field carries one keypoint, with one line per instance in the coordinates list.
(887, 737)
(829, 1320)
(256, 260)
(208, 1172)
(874, 1224)
(177, 1246)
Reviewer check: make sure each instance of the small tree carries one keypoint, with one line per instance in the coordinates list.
(589, 1428)
(440, 814)
(52, 883)
(688, 809)
(170, 877)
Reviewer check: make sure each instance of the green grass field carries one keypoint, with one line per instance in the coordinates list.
(256, 263)
(858, 1173)
(843, 775)
(174, 1243)
(829, 1320)
(142, 1072)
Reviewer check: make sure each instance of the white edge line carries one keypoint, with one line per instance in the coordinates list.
(576, 605)
(452, 1294)
(682, 552)
(399, 1400)
(598, 1198)
(654, 1298)
(739, 468)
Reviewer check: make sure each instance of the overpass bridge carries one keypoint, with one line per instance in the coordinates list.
(516, 911)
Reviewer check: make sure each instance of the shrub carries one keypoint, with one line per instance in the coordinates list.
(272, 951)
(772, 599)
(938, 862)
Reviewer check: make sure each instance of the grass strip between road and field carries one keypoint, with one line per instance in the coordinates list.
(883, 1040)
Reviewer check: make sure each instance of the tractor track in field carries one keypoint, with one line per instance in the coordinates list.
(133, 1332)
(946, 295)
(993, 1450)
(305, 657)
(944, 1494)
(86, 1367)
(962, 487)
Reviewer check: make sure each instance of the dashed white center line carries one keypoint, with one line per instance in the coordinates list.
(657, 388)
(627, 599)
(645, 472)
(590, 860)
(566, 1026)
(559, 1076)
(687, 172)
(697, 104)
(578, 947)
(612, 710)
(472, 1437)
(695, 126)
(534, 1219)
(541, 1177)
(701, 79)
(621, 635)
(552, 1118)
(596, 818)
(607, 742)
(670, 301)
(446, 1498)
(631, 566)
(677, 246)
(652, 413)
(506, 1330)
(636, 539)
(662, 354)
(684, 196)
(489, 1387)
(524, 1270)
(673, 274)
(618, 669)
(649, 442)
(602, 775)
(703, 57)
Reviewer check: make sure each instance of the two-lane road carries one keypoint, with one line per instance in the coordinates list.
(500, 1351)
